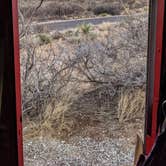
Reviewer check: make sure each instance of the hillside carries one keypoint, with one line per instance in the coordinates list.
(65, 9)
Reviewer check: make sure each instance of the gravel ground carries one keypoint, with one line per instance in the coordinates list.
(78, 152)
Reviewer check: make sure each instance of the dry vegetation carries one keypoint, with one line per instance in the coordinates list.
(87, 82)
(64, 9)
(84, 79)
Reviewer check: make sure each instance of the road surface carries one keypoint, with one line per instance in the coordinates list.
(61, 25)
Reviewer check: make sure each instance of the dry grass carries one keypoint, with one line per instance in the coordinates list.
(131, 104)
(68, 119)
(52, 123)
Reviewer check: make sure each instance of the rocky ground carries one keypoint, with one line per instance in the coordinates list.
(79, 152)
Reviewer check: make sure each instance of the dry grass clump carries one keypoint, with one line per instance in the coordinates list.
(131, 104)
(52, 123)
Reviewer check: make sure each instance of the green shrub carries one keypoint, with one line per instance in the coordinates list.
(85, 28)
(44, 39)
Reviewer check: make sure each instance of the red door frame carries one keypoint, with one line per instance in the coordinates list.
(150, 139)
(11, 147)
(17, 81)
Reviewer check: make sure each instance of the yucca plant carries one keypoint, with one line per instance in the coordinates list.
(85, 28)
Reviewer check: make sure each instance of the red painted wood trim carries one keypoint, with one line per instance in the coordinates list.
(157, 70)
(17, 81)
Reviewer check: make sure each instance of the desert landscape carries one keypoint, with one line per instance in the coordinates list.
(65, 9)
(83, 88)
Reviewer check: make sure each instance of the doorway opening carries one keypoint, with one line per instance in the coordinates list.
(83, 73)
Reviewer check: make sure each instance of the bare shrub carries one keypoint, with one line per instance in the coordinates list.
(114, 60)
(43, 77)
(135, 35)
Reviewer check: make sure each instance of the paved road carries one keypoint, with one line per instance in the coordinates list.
(68, 24)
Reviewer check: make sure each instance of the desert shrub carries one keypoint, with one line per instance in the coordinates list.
(111, 60)
(135, 35)
(106, 8)
(85, 28)
(44, 76)
(44, 39)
